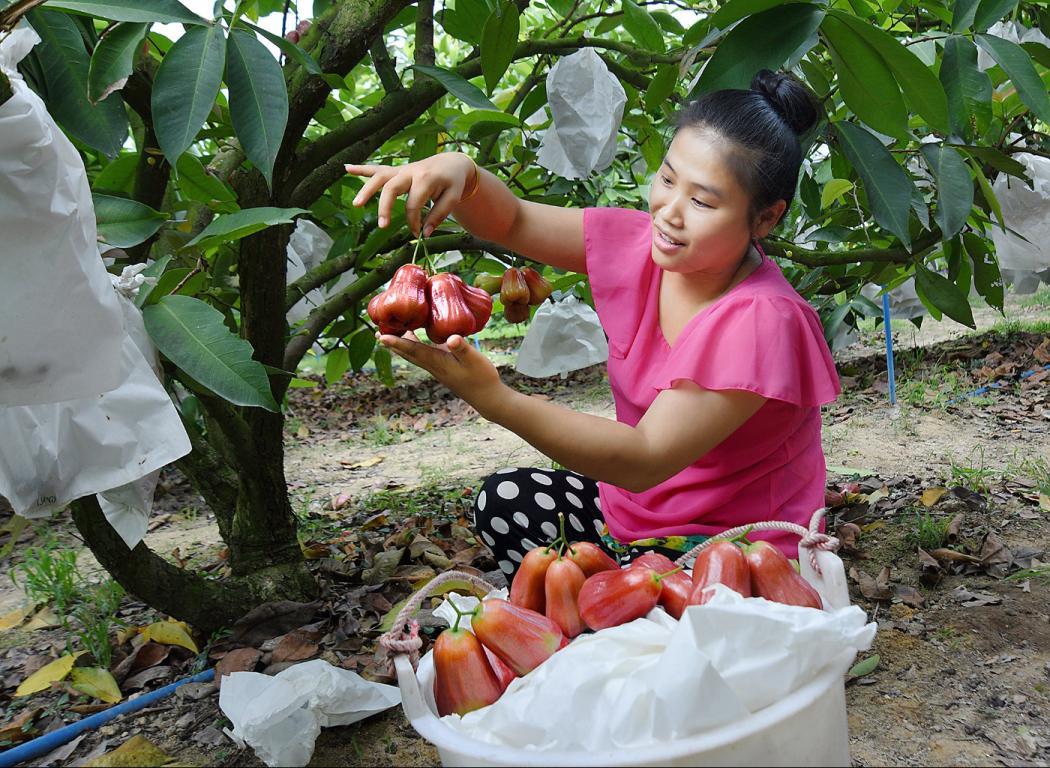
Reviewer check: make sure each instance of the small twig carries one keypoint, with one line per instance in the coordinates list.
(192, 273)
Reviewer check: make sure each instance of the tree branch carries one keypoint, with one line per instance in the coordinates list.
(13, 14)
(826, 258)
(425, 32)
(384, 66)
(5, 88)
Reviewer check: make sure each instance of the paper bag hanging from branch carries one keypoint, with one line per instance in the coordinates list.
(563, 336)
(586, 102)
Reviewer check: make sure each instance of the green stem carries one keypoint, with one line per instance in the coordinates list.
(662, 576)
(459, 615)
(742, 537)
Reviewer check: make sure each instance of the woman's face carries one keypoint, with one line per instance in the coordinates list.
(699, 210)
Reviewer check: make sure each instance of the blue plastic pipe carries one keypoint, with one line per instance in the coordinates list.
(41, 745)
(890, 373)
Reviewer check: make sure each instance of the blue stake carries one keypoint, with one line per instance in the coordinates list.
(889, 348)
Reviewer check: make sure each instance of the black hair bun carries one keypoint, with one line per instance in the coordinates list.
(789, 97)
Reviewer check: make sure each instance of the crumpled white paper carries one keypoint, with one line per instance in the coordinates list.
(281, 716)
(1027, 211)
(586, 101)
(636, 685)
(465, 604)
(60, 325)
(564, 335)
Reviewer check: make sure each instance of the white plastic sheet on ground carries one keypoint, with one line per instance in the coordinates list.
(635, 685)
(564, 335)
(1027, 211)
(281, 716)
(586, 101)
(60, 325)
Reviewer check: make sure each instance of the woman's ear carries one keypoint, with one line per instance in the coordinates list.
(769, 219)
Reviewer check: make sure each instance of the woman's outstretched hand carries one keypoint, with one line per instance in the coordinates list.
(456, 364)
(442, 178)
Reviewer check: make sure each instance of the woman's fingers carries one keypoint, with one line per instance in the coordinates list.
(377, 180)
(399, 183)
(442, 207)
(418, 195)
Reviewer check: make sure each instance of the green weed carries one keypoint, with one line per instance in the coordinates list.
(379, 433)
(1040, 298)
(48, 574)
(929, 532)
(977, 477)
(97, 615)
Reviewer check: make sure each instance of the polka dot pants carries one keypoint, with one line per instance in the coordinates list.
(517, 510)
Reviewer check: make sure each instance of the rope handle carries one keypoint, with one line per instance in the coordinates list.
(398, 640)
(812, 538)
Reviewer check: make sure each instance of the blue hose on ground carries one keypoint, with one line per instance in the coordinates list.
(43, 744)
(996, 385)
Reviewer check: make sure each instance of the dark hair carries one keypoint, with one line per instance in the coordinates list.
(762, 127)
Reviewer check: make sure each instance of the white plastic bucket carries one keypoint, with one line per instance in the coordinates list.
(808, 727)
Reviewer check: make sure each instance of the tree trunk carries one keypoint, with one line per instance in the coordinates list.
(206, 604)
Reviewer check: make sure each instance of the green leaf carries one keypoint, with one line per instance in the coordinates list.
(963, 13)
(922, 90)
(172, 279)
(288, 48)
(954, 187)
(988, 193)
(866, 82)
(886, 184)
(97, 683)
(258, 100)
(234, 226)
(466, 21)
(113, 59)
(735, 10)
(661, 87)
(194, 336)
(483, 122)
(1019, 68)
(990, 11)
(124, 223)
(384, 366)
(185, 88)
(463, 90)
(336, 364)
(865, 667)
(987, 278)
(833, 190)
(944, 295)
(360, 348)
(118, 175)
(143, 11)
(195, 183)
(969, 90)
(499, 39)
(642, 27)
(762, 41)
(64, 63)
(998, 160)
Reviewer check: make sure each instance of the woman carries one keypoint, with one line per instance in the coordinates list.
(717, 366)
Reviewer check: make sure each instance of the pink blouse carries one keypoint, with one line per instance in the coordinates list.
(759, 336)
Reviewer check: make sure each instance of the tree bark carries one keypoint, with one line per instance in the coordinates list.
(206, 604)
(5, 88)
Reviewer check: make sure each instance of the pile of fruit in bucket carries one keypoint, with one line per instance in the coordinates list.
(564, 589)
(444, 304)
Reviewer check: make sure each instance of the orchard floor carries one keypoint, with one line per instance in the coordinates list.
(963, 676)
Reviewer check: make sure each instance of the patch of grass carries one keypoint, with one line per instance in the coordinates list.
(976, 476)
(1040, 298)
(1040, 573)
(1038, 469)
(97, 616)
(929, 532)
(380, 433)
(48, 574)
(1021, 326)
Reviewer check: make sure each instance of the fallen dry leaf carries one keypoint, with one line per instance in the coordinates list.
(909, 596)
(20, 728)
(138, 750)
(951, 533)
(873, 588)
(974, 599)
(237, 660)
(931, 496)
(995, 556)
(847, 534)
(951, 555)
(931, 570)
(295, 646)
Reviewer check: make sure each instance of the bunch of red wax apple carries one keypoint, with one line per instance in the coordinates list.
(563, 589)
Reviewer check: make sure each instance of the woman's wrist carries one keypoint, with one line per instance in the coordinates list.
(473, 183)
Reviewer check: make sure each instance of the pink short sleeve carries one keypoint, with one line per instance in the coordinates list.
(771, 345)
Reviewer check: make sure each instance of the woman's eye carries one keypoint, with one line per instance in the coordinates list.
(702, 205)
(665, 180)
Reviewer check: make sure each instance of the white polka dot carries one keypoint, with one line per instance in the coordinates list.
(597, 503)
(545, 501)
(506, 566)
(542, 479)
(550, 528)
(505, 471)
(598, 526)
(521, 519)
(574, 499)
(482, 498)
(575, 523)
(529, 544)
(488, 539)
(574, 482)
(513, 555)
(507, 490)
(499, 525)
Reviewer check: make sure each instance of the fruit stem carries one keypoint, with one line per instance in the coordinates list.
(661, 576)
(742, 537)
(460, 614)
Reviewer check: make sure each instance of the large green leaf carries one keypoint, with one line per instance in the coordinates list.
(113, 59)
(64, 62)
(762, 41)
(1019, 68)
(234, 226)
(661, 87)
(258, 99)
(144, 11)
(922, 90)
(738, 9)
(969, 90)
(867, 83)
(642, 26)
(944, 295)
(987, 278)
(886, 184)
(963, 12)
(124, 223)
(185, 88)
(483, 122)
(990, 11)
(288, 48)
(997, 159)
(195, 183)
(499, 39)
(463, 90)
(954, 187)
(466, 21)
(194, 336)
